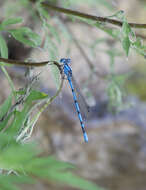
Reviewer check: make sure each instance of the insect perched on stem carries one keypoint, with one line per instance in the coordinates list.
(68, 73)
(65, 69)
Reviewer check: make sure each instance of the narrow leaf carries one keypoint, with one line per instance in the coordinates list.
(26, 36)
(3, 47)
(36, 95)
(11, 21)
(5, 106)
(126, 44)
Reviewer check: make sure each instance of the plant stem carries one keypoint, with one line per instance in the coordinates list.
(91, 17)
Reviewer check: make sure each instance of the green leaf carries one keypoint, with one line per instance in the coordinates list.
(126, 44)
(5, 106)
(26, 36)
(9, 160)
(126, 29)
(58, 172)
(23, 159)
(3, 47)
(118, 15)
(21, 117)
(10, 21)
(43, 12)
(72, 180)
(4, 53)
(36, 95)
(8, 182)
(112, 32)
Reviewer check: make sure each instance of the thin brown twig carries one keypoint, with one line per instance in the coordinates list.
(67, 20)
(30, 64)
(90, 17)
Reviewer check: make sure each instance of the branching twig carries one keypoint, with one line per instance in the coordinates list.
(67, 20)
(91, 17)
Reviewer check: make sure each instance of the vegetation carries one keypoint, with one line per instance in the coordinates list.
(16, 118)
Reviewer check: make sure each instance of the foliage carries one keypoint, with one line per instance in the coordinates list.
(21, 162)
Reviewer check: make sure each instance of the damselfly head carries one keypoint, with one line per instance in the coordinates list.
(65, 60)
